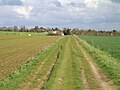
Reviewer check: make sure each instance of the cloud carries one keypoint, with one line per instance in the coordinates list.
(91, 3)
(11, 2)
(65, 2)
(82, 5)
(57, 3)
(116, 1)
(23, 11)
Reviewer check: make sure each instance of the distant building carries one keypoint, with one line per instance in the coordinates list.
(55, 33)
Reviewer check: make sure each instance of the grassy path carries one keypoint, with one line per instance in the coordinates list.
(74, 72)
(67, 75)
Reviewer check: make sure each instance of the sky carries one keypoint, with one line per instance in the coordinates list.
(83, 14)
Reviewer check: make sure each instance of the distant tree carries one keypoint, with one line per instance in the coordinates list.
(36, 28)
(89, 30)
(114, 31)
(41, 28)
(67, 31)
(22, 29)
(15, 28)
(53, 29)
(56, 29)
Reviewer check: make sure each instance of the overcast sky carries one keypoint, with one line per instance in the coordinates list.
(84, 14)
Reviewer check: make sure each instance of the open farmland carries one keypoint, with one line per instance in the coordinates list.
(16, 49)
(68, 64)
(59, 44)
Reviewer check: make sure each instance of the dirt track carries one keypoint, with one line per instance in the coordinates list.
(100, 79)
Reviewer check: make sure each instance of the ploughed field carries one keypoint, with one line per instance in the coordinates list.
(68, 64)
(17, 49)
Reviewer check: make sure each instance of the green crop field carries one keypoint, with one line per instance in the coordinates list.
(69, 63)
(111, 45)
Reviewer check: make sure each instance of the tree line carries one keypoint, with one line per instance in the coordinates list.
(66, 31)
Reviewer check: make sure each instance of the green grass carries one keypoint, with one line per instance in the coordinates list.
(111, 45)
(52, 83)
(67, 72)
(85, 65)
(23, 33)
(76, 66)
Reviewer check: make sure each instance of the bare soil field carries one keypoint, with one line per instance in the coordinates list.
(16, 50)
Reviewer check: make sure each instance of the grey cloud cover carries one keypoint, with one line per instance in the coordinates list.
(116, 1)
(62, 13)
